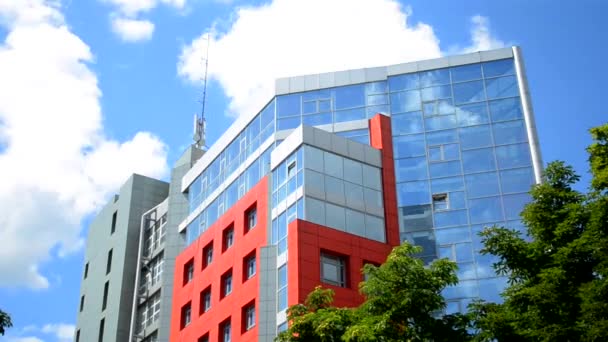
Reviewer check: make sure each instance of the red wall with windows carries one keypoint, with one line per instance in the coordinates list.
(244, 292)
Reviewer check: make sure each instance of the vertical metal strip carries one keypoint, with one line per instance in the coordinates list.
(524, 94)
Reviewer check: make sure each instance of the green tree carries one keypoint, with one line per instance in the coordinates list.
(5, 322)
(557, 274)
(402, 303)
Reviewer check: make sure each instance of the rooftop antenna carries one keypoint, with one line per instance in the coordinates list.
(200, 124)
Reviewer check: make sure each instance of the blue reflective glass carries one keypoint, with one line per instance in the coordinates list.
(463, 252)
(511, 156)
(453, 235)
(466, 270)
(403, 82)
(267, 115)
(412, 193)
(485, 264)
(434, 77)
(449, 219)
(441, 137)
(476, 229)
(409, 146)
(448, 184)
(282, 225)
(491, 288)
(324, 105)
(516, 180)
(473, 114)
(457, 200)
(352, 133)
(407, 123)
(435, 123)
(502, 87)
(410, 169)
(371, 111)
(437, 92)
(468, 92)
(445, 169)
(309, 107)
(288, 123)
(475, 137)
(317, 119)
(452, 307)
(485, 210)
(510, 132)
(478, 160)
(482, 184)
(349, 96)
(363, 139)
(464, 289)
(282, 302)
(505, 109)
(376, 87)
(288, 105)
(405, 101)
(435, 153)
(499, 68)
(466, 73)
(514, 204)
(378, 99)
(349, 115)
(438, 107)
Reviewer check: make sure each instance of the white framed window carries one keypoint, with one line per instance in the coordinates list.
(441, 202)
(249, 314)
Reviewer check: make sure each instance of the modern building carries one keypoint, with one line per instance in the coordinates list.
(332, 173)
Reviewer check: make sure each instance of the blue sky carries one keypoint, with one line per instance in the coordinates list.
(93, 90)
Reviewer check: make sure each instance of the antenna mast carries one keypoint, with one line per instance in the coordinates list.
(200, 124)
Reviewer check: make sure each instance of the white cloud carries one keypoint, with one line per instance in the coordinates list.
(132, 30)
(288, 38)
(56, 165)
(24, 339)
(481, 36)
(63, 332)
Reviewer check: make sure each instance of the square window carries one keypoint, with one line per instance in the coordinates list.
(440, 202)
(333, 269)
(186, 315)
(225, 331)
(207, 254)
(251, 218)
(188, 271)
(228, 237)
(248, 314)
(249, 266)
(205, 301)
(226, 283)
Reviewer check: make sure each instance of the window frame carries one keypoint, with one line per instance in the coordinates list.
(339, 261)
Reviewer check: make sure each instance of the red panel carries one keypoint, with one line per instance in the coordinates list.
(243, 293)
(381, 138)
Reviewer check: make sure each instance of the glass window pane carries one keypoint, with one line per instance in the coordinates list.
(466, 270)
(498, 68)
(478, 160)
(325, 105)
(449, 184)
(355, 222)
(450, 218)
(517, 180)
(371, 111)
(445, 169)
(334, 190)
(502, 87)
(288, 123)
(267, 115)
(510, 132)
(313, 158)
(475, 137)
(412, 193)
(434, 77)
(374, 228)
(482, 184)
(466, 73)
(441, 137)
(409, 146)
(438, 107)
(491, 288)
(469, 92)
(403, 82)
(288, 105)
(440, 122)
(464, 252)
(410, 169)
(407, 123)
(309, 107)
(435, 153)
(314, 184)
(371, 177)
(378, 99)
(373, 201)
(349, 96)
(405, 101)
(376, 87)
(334, 217)
(457, 200)
(473, 114)
(485, 266)
(485, 210)
(453, 235)
(451, 151)
(317, 119)
(506, 109)
(352, 171)
(511, 156)
(438, 92)
(315, 211)
(514, 204)
(354, 196)
(333, 164)
(349, 115)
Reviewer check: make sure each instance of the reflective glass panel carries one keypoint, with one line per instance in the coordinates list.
(315, 211)
(349, 96)
(517, 180)
(352, 171)
(484, 265)
(441, 137)
(333, 164)
(514, 204)
(440, 122)
(371, 177)
(371, 111)
(478, 160)
(464, 289)
(403, 82)
(314, 184)
(378, 99)
(463, 252)
(317, 119)
(349, 115)
(444, 169)
(374, 228)
(457, 200)
(334, 190)
(376, 87)
(510, 132)
(355, 222)
(475, 137)
(410, 169)
(502, 87)
(438, 107)
(288, 105)
(434, 93)
(466, 270)
(482, 184)
(506, 109)
(450, 218)
(313, 158)
(473, 114)
(412, 193)
(434, 77)
(288, 123)
(468, 92)
(267, 115)
(407, 123)
(354, 196)
(491, 288)
(447, 184)
(485, 210)
(466, 73)
(405, 101)
(511, 156)
(334, 217)
(453, 235)
(409, 146)
(499, 68)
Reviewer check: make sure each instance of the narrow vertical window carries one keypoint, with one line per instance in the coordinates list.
(248, 314)
(102, 323)
(106, 288)
(249, 266)
(205, 301)
(81, 303)
(226, 283)
(228, 237)
(186, 315)
(225, 330)
(113, 229)
(188, 271)
(86, 270)
(251, 219)
(109, 262)
(207, 255)
(77, 335)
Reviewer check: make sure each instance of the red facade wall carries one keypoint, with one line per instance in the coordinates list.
(242, 294)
